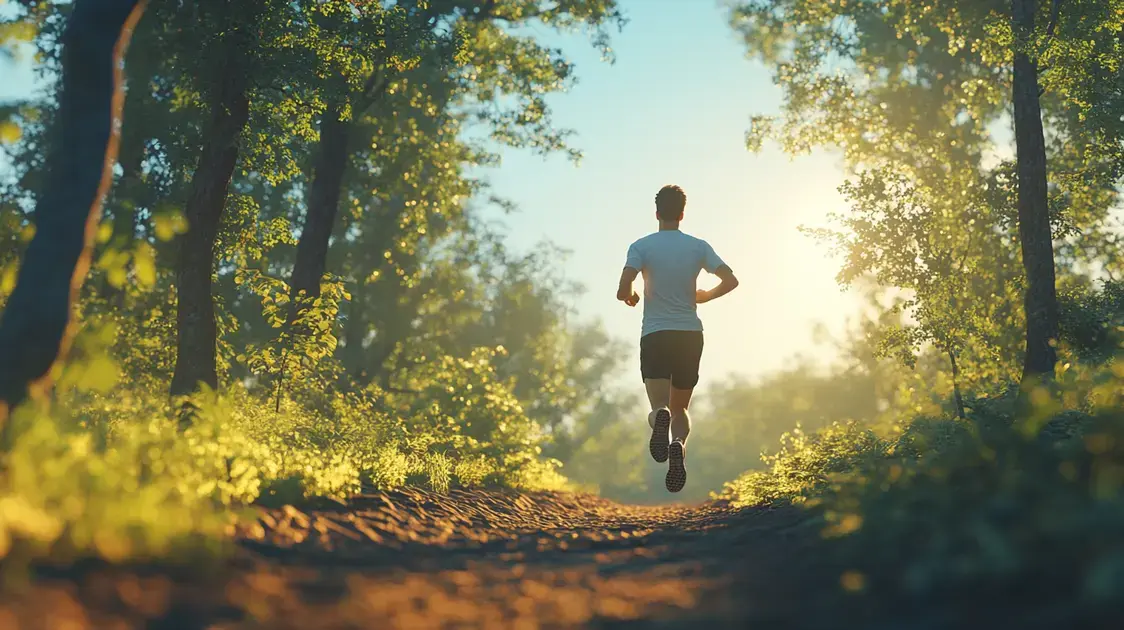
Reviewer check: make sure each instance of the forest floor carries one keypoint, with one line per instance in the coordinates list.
(474, 559)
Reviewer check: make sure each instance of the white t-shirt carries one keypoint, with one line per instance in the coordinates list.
(670, 262)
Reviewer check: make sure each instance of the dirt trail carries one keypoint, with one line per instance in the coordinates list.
(477, 559)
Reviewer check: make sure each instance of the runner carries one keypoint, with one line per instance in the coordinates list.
(671, 337)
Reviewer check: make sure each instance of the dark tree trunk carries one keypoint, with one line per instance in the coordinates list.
(956, 396)
(1034, 220)
(323, 205)
(36, 327)
(196, 333)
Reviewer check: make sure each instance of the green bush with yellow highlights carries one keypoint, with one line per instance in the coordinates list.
(977, 508)
(113, 470)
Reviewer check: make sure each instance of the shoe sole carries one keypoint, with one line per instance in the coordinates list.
(657, 446)
(676, 471)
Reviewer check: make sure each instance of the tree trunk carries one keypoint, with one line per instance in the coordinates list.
(323, 205)
(36, 327)
(196, 331)
(959, 400)
(1034, 220)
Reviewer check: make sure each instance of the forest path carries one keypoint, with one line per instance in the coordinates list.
(467, 559)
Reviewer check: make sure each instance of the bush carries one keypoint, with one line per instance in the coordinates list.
(805, 463)
(974, 510)
(111, 473)
(1090, 320)
(145, 494)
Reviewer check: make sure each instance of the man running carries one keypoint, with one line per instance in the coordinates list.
(671, 338)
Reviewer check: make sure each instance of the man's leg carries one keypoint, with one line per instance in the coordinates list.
(678, 401)
(684, 377)
(656, 371)
(659, 395)
(659, 392)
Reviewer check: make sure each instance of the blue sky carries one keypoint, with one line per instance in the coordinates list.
(673, 109)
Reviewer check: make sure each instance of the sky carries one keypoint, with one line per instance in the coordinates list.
(673, 108)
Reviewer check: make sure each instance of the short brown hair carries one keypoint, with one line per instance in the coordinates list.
(670, 202)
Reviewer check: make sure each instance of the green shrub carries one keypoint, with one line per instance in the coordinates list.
(1090, 320)
(146, 493)
(111, 472)
(806, 462)
(971, 509)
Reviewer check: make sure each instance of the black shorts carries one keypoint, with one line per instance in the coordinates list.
(673, 354)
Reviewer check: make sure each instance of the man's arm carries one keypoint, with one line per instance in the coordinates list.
(624, 289)
(729, 283)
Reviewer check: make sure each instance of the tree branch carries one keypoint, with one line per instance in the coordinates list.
(374, 88)
(967, 250)
(488, 11)
(1055, 13)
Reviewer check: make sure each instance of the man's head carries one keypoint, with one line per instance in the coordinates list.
(670, 202)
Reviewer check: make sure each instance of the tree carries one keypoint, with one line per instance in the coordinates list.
(429, 338)
(260, 65)
(356, 67)
(914, 87)
(902, 235)
(1034, 217)
(472, 55)
(228, 96)
(36, 326)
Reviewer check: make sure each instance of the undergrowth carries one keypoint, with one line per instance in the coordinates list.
(979, 509)
(113, 471)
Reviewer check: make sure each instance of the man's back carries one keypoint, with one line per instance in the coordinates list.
(670, 262)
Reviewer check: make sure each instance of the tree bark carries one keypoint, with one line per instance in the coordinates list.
(196, 331)
(36, 327)
(957, 397)
(1034, 220)
(323, 205)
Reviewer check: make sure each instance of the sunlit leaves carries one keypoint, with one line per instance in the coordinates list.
(144, 260)
(293, 353)
(10, 132)
(168, 225)
(92, 367)
(16, 30)
(875, 79)
(952, 505)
